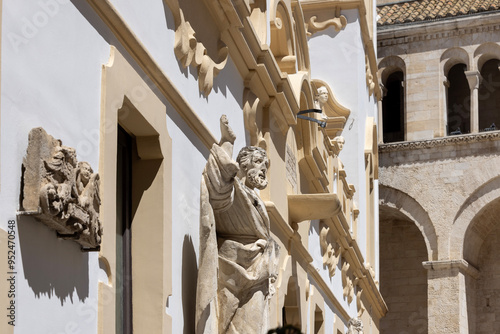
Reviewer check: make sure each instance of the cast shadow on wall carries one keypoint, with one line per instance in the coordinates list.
(52, 266)
(205, 36)
(189, 278)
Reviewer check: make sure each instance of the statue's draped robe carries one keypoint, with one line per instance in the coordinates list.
(237, 253)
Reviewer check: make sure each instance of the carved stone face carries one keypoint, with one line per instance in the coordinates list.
(340, 141)
(322, 96)
(257, 172)
(85, 172)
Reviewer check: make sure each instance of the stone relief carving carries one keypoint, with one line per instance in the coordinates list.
(331, 251)
(355, 326)
(191, 52)
(291, 167)
(60, 191)
(347, 283)
(369, 77)
(313, 26)
(238, 257)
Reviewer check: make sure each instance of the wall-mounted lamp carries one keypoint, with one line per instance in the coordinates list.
(302, 112)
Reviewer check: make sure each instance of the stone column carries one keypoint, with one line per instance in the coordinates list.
(444, 124)
(474, 79)
(448, 282)
(380, 123)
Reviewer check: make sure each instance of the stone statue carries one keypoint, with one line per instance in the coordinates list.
(238, 257)
(320, 99)
(355, 326)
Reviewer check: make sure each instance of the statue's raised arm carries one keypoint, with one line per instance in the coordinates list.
(237, 254)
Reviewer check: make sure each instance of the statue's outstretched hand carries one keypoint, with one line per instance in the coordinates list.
(227, 134)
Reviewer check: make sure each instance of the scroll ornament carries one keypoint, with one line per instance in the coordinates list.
(314, 26)
(191, 52)
(60, 191)
(347, 283)
(331, 251)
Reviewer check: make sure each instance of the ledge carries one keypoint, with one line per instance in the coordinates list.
(313, 206)
(438, 142)
(461, 264)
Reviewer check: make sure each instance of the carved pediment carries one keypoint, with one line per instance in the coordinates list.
(60, 191)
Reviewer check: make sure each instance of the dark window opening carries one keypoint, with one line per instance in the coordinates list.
(125, 156)
(489, 96)
(458, 101)
(393, 109)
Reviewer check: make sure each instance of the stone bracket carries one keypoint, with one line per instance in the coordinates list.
(313, 206)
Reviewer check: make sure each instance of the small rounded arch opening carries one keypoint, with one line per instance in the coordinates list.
(458, 100)
(489, 96)
(393, 118)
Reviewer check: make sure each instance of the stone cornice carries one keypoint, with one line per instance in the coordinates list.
(446, 141)
(430, 30)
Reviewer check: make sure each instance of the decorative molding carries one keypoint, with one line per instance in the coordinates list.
(191, 52)
(61, 192)
(425, 36)
(314, 26)
(446, 141)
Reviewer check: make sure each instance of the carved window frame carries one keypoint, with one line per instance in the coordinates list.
(127, 100)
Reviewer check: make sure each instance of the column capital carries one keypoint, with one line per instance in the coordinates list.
(474, 78)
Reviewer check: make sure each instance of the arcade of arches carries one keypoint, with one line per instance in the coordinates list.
(440, 236)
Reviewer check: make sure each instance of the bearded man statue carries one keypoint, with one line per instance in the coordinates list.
(238, 257)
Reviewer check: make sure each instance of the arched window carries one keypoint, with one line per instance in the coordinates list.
(489, 96)
(458, 101)
(393, 108)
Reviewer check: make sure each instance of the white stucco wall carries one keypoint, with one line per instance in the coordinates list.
(153, 23)
(51, 74)
(52, 57)
(338, 59)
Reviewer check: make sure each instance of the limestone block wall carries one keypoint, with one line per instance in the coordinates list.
(403, 280)
(425, 53)
(448, 189)
(487, 305)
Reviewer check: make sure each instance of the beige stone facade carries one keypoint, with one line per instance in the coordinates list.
(439, 187)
